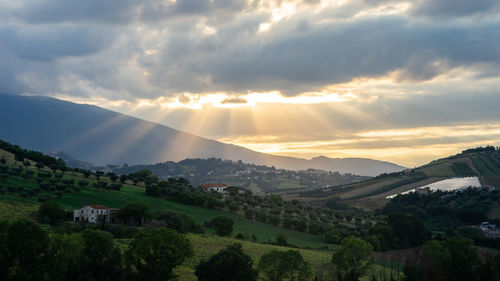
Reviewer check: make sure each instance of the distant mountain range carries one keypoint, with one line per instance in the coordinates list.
(256, 178)
(99, 136)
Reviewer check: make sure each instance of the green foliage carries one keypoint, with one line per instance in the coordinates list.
(179, 222)
(50, 213)
(441, 210)
(230, 264)
(281, 240)
(145, 176)
(331, 237)
(153, 190)
(353, 258)
(408, 231)
(26, 247)
(134, 213)
(284, 265)
(453, 259)
(36, 156)
(103, 258)
(223, 225)
(153, 253)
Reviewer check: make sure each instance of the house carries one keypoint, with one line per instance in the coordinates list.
(218, 187)
(490, 230)
(235, 189)
(95, 214)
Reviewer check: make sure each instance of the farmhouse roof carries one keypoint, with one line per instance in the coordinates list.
(98, 206)
(209, 185)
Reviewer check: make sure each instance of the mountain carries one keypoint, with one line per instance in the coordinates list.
(99, 136)
(481, 162)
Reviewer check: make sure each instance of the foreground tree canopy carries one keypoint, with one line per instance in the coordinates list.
(353, 258)
(154, 253)
(284, 265)
(230, 264)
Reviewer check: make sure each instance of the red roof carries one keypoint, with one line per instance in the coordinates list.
(98, 206)
(209, 185)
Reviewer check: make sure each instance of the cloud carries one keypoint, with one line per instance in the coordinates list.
(118, 11)
(326, 54)
(453, 8)
(129, 49)
(48, 43)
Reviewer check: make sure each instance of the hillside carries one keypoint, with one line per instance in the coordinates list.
(28, 194)
(481, 162)
(99, 136)
(253, 177)
(29, 183)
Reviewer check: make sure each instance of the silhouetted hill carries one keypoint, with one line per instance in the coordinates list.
(99, 136)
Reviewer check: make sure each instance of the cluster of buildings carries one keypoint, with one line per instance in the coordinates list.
(221, 188)
(489, 230)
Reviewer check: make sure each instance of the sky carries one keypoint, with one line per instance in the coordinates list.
(401, 81)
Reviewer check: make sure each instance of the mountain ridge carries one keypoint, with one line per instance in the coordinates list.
(100, 136)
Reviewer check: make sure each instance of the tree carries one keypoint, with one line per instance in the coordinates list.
(353, 258)
(153, 190)
(331, 237)
(123, 178)
(154, 253)
(67, 259)
(281, 239)
(4, 254)
(230, 264)
(223, 225)
(179, 222)
(50, 213)
(284, 265)
(26, 244)
(408, 230)
(453, 259)
(83, 183)
(103, 260)
(133, 213)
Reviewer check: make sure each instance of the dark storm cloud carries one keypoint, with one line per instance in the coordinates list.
(338, 53)
(118, 11)
(450, 8)
(48, 43)
(446, 8)
(303, 52)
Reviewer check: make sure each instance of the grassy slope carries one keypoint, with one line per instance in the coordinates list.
(264, 232)
(207, 246)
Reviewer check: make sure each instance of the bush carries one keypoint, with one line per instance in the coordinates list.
(222, 225)
(50, 213)
(154, 253)
(180, 222)
(230, 264)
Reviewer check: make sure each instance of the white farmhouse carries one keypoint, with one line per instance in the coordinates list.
(95, 214)
(214, 187)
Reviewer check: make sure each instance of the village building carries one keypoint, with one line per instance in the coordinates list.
(217, 187)
(490, 230)
(95, 214)
(235, 189)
